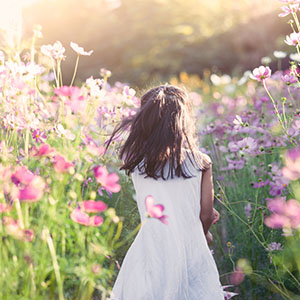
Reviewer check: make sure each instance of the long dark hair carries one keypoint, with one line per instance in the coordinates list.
(159, 133)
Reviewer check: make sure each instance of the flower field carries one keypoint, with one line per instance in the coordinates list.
(68, 215)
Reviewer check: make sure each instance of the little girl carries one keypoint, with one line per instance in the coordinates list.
(169, 258)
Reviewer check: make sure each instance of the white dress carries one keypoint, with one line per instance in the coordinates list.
(169, 262)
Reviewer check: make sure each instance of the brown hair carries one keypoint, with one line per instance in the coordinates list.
(158, 133)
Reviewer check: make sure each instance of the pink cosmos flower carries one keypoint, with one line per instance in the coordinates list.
(289, 79)
(43, 150)
(80, 217)
(22, 175)
(31, 187)
(34, 191)
(38, 136)
(96, 221)
(108, 181)
(292, 8)
(247, 144)
(74, 98)
(91, 206)
(293, 39)
(261, 73)
(286, 214)
(80, 50)
(60, 164)
(291, 170)
(155, 211)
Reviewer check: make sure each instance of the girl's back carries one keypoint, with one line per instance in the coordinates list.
(167, 261)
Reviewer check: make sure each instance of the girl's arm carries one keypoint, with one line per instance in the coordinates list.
(207, 214)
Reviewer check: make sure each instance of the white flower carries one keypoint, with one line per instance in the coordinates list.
(79, 50)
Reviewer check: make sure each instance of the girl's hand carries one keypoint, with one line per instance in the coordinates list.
(209, 238)
(216, 216)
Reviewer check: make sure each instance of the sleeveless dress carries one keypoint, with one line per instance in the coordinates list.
(173, 261)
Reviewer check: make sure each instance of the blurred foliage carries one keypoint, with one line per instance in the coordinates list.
(146, 41)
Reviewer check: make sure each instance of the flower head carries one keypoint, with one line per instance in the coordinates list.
(94, 206)
(261, 73)
(55, 51)
(293, 39)
(291, 170)
(291, 9)
(38, 136)
(43, 150)
(108, 181)
(60, 164)
(155, 211)
(80, 50)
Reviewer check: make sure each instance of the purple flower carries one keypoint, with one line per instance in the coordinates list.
(289, 79)
(38, 136)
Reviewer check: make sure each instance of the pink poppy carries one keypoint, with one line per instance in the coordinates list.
(155, 211)
(91, 206)
(60, 164)
(108, 181)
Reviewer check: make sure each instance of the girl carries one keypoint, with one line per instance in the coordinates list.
(169, 258)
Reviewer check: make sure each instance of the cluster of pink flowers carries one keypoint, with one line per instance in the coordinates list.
(285, 214)
(79, 215)
(30, 186)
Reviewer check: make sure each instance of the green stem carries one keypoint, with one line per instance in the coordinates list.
(75, 70)
(55, 264)
(274, 104)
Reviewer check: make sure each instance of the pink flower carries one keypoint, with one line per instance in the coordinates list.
(261, 73)
(155, 211)
(292, 8)
(43, 150)
(94, 206)
(60, 164)
(291, 170)
(80, 50)
(80, 217)
(289, 79)
(286, 214)
(108, 181)
(96, 221)
(74, 98)
(38, 136)
(293, 39)
(22, 175)
(30, 187)
(34, 191)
